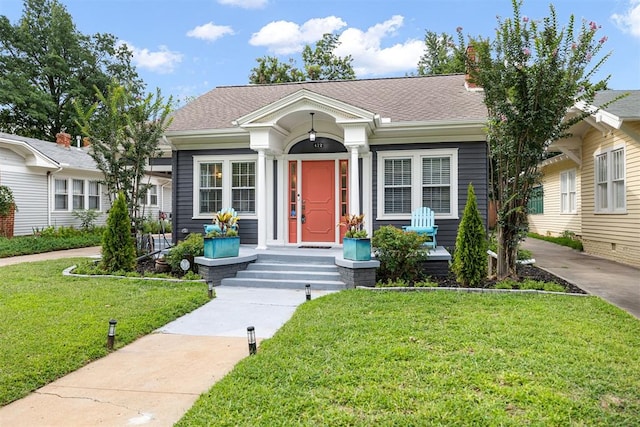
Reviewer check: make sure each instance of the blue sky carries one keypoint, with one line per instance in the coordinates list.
(187, 47)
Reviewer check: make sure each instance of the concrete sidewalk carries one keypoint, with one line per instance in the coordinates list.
(156, 379)
(617, 283)
(92, 251)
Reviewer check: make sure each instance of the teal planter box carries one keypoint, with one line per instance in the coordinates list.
(221, 247)
(356, 249)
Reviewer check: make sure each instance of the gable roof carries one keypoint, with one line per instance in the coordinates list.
(627, 108)
(402, 99)
(72, 157)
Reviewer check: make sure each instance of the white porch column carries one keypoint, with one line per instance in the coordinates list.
(261, 202)
(354, 182)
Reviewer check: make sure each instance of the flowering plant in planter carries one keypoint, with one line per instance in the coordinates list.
(354, 224)
(356, 245)
(226, 222)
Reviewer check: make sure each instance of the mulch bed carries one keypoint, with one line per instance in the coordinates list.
(526, 271)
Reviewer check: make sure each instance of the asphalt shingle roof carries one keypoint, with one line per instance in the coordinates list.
(403, 99)
(625, 108)
(72, 157)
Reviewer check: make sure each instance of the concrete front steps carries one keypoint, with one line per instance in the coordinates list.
(288, 271)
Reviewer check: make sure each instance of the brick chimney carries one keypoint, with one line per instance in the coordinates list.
(63, 139)
(472, 59)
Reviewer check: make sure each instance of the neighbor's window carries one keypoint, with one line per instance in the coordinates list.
(153, 195)
(536, 201)
(94, 195)
(61, 194)
(78, 194)
(610, 187)
(409, 180)
(568, 192)
(243, 186)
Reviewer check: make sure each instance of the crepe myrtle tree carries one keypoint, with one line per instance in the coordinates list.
(531, 74)
(124, 131)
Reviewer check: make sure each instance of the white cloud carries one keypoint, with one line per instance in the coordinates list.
(285, 37)
(630, 20)
(370, 58)
(162, 61)
(210, 31)
(245, 4)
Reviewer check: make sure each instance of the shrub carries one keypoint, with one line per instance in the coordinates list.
(191, 247)
(400, 254)
(118, 246)
(7, 202)
(87, 218)
(470, 255)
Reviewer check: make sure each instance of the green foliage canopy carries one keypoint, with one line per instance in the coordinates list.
(46, 64)
(320, 63)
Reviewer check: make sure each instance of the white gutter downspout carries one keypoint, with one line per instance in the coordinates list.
(49, 174)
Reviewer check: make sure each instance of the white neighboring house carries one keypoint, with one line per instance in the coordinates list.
(51, 180)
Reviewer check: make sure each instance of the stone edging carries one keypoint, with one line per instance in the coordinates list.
(68, 272)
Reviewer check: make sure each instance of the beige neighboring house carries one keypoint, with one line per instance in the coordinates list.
(593, 188)
(51, 180)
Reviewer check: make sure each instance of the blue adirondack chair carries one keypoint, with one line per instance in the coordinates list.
(214, 227)
(423, 222)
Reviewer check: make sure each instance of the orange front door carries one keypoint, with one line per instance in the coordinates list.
(318, 201)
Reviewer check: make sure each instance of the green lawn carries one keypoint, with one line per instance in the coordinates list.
(359, 358)
(51, 325)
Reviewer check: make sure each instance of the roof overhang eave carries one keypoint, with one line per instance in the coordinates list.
(460, 130)
(196, 139)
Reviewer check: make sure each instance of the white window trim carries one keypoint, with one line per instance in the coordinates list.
(226, 181)
(416, 184)
(609, 152)
(147, 196)
(70, 194)
(573, 211)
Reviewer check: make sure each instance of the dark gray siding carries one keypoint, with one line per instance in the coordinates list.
(182, 165)
(472, 167)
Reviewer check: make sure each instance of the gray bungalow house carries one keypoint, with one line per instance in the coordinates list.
(291, 159)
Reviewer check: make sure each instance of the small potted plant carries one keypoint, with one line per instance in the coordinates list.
(355, 244)
(223, 241)
(7, 211)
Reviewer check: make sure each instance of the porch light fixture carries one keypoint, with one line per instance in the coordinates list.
(111, 335)
(307, 291)
(312, 132)
(251, 337)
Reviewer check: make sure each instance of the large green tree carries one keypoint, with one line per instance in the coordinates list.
(531, 74)
(320, 63)
(442, 55)
(124, 131)
(46, 64)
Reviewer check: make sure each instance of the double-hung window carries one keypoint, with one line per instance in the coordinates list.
(408, 180)
(61, 195)
(610, 187)
(78, 194)
(75, 194)
(150, 197)
(224, 182)
(568, 192)
(94, 195)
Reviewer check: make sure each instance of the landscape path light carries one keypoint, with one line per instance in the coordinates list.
(111, 335)
(251, 337)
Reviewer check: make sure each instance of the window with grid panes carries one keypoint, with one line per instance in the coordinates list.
(536, 201)
(210, 188)
(610, 187)
(243, 186)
